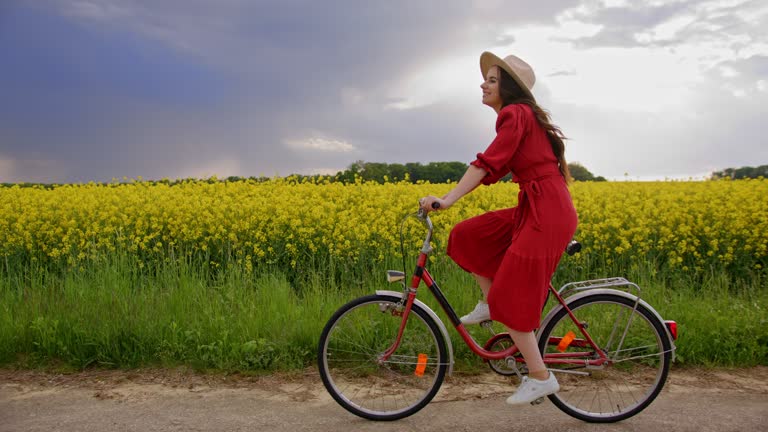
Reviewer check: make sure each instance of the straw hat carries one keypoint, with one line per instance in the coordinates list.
(520, 71)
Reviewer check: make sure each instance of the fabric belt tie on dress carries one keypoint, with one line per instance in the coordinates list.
(529, 189)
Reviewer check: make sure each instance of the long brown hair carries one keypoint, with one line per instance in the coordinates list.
(511, 93)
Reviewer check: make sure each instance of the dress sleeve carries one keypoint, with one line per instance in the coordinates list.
(510, 130)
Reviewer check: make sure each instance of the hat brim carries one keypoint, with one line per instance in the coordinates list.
(488, 60)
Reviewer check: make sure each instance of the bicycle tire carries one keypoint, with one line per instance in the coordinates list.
(639, 364)
(348, 359)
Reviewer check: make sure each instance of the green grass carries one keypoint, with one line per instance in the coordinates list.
(112, 315)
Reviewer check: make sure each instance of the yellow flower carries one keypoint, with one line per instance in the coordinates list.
(693, 225)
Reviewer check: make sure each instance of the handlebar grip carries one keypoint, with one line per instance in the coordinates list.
(435, 205)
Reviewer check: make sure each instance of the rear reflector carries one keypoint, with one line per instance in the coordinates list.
(672, 326)
(565, 341)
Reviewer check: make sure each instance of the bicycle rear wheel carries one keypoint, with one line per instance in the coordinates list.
(636, 343)
(349, 359)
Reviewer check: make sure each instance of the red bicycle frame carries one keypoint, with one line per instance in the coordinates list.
(591, 358)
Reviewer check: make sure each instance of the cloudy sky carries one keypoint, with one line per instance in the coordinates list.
(95, 90)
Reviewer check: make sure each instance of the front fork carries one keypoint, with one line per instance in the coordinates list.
(403, 312)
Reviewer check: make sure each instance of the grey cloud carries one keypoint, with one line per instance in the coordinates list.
(741, 76)
(622, 24)
(345, 31)
(562, 73)
(755, 67)
(719, 131)
(609, 37)
(636, 15)
(289, 61)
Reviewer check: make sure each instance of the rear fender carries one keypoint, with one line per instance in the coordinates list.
(624, 294)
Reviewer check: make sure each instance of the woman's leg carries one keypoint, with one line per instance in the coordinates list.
(526, 343)
(481, 312)
(485, 285)
(540, 382)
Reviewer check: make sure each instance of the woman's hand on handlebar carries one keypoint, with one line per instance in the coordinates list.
(429, 203)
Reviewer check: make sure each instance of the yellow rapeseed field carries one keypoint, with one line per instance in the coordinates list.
(684, 226)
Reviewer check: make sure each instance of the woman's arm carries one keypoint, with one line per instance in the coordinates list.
(469, 181)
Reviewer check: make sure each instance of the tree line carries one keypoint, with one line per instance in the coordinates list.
(741, 173)
(433, 172)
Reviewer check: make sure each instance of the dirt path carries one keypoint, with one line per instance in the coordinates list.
(162, 400)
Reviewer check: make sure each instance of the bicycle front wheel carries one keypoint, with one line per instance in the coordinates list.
(634, 340)
(360, 380)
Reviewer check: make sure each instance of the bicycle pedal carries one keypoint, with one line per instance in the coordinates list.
(537, 401)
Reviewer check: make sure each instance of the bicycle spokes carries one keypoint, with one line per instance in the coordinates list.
(366, 375)
(636, 357)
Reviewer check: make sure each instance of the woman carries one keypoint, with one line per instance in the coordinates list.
(512, 253)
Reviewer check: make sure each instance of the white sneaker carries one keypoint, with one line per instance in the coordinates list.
(478, 315)
(531, 389)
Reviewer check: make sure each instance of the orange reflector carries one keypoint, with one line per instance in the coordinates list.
(565, 341)
(421, 365)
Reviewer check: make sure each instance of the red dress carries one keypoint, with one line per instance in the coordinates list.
(519, 247)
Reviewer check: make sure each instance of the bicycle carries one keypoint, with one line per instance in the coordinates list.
(384, 356)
